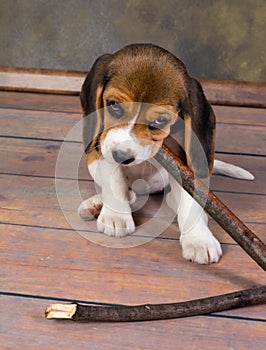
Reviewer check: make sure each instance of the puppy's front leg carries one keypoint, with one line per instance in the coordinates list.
(115, 218)
(198, 243)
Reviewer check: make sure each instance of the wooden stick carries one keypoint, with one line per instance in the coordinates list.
(121, 313)
(233, 225)
(252, 245)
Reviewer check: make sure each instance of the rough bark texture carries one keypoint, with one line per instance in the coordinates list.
(77, 312)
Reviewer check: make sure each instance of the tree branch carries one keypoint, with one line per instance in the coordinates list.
(228, 221)
(121, 313)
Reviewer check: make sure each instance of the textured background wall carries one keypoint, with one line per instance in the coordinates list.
(221, 39)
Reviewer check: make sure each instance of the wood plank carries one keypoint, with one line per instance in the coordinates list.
(61, 84)
(38, 124)
(67, 266)
(44, 119)
(61, 103)
(22, 160)
(29, 204)
(41, 80)
(225, 92)
(33, 201)
(241, 139)
(240, 115)
(37, 102)
(229, 139)
(235, 93)
(39, 157)
(19, 192)
(256, 165)
(224, 114)
(25, 327)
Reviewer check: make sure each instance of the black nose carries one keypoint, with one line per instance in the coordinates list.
(122, 157)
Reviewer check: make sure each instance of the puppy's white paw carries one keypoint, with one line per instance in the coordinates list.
(115, 224)
(90, 208)
(199, 247)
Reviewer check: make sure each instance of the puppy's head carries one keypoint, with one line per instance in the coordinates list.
(133, 99)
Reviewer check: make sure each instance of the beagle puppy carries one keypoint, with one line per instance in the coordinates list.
(133, 101)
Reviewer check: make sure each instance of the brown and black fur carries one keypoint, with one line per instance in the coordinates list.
(149, 74)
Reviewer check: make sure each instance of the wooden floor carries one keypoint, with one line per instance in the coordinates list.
(44, 258)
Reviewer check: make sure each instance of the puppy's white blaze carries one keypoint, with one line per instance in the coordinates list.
(124, 140)
(121, 139)
(222, 168)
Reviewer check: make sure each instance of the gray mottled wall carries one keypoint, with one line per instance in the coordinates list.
(221, 39)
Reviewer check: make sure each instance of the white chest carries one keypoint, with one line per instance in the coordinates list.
(147, 177)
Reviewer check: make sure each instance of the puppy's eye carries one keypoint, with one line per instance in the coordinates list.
(115, 109)
(158, 123)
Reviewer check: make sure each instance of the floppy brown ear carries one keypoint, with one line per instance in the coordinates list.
(199, 130)
(91, 101)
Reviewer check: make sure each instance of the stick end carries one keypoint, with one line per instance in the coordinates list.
(60, 311)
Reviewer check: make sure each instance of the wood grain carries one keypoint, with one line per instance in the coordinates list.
(71, 104)
(45, 81)
(39, 157)
(33, 201)
(240, 115)
(48, 102)
(68, 82)
(235, 93)
(247, 139)
(241, 139)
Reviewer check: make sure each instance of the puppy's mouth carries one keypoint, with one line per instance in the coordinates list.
(124, 158)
